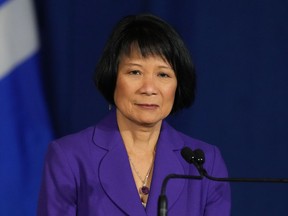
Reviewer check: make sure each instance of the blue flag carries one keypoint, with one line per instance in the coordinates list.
(24, 124)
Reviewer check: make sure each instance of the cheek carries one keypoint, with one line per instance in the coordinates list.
(171, 92)
(121, 91)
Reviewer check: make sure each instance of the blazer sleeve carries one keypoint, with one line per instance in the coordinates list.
(58, 189)
(219, 195)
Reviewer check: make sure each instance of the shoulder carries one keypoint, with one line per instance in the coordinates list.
(91, 135)
(186, 140)
(213, 157)
(210, 150)
(75, 141)
(74, 152)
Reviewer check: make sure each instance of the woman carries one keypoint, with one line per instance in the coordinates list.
(117, 167)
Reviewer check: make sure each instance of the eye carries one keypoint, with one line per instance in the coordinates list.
(163, 75)
(135, 72)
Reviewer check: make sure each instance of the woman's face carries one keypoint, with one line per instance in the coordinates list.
(145, 89)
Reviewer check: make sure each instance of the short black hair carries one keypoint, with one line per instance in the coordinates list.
(153, 36)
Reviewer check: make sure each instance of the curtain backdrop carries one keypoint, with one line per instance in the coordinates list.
(240, 50)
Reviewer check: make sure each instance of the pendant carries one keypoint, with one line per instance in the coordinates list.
(144, 190)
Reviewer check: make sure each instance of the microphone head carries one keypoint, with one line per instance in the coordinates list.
(200, 156)
(196, 157)
(188, 155)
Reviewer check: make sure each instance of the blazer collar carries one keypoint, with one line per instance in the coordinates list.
(115, 172)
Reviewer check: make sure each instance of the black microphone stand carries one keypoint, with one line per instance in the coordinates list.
(162, 200)
(197, 158)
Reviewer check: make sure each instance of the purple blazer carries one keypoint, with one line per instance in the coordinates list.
(88, 174)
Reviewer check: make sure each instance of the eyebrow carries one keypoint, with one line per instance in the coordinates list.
(135, 64)
(168, 67)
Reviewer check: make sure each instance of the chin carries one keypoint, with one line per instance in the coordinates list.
(150, 122)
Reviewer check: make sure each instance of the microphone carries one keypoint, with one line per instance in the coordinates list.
(197, 157)
(162, 200)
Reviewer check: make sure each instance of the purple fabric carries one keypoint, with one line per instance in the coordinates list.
(88, 174)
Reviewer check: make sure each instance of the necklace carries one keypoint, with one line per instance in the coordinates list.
(144, 189)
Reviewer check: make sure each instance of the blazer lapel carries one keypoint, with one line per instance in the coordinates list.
(114, 170)
(167, 162)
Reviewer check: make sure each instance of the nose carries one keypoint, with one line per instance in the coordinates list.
(148, 86)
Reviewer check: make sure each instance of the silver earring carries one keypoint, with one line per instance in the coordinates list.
(109, 107)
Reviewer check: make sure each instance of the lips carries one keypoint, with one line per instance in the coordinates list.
(148, 106)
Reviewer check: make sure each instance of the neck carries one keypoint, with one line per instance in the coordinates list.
(138, 138)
